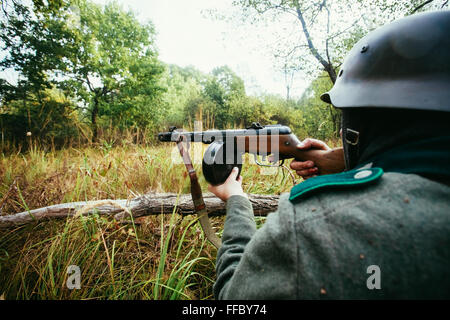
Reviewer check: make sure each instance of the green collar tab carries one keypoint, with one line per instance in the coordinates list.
(338, 181)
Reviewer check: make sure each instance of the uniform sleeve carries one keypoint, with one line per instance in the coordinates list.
(238, 230)
(256, 264)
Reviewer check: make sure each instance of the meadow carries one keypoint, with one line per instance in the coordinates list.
(155, 257)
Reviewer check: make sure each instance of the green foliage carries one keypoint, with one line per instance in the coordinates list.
(320, 120)
(81, 63)
(218, 98)
(184, 87)
(114, 69)
(222, 88)
(51, 119)
(34, 47)
(102, 58)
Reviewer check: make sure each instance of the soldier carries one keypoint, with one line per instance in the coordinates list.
(381, 228)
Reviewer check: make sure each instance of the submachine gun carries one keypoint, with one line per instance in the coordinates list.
(226, 149)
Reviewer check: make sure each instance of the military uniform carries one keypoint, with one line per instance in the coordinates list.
(325, 235)
(382, 228)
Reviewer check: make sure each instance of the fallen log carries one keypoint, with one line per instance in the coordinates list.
(147, 204)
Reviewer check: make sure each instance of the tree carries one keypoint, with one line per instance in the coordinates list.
(320, 32)
(31, 48)
(101, 57)
(52, 120)
(185, 100)
(222, 88)
(314, 36)
(113, 69)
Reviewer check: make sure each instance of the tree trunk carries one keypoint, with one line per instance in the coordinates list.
(94, 120)
(148, 204)
(331, 72)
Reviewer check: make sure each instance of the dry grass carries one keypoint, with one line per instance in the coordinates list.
(162, 257)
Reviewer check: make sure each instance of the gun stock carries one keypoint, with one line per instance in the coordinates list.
(286, 147)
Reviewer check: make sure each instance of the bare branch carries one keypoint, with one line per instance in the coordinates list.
(89, 83)
(422, 5)
(319, 10)
(284, 56)
(328, 32)
(148, 204)
(308, 36)
(346, 29)
(326, 65)
(4, 8)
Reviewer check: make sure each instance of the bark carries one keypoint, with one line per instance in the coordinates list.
(148, 204)
(94, 120)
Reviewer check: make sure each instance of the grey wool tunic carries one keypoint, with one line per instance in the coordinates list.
(340, 243)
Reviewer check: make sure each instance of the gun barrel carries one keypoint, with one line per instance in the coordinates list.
(174, 136)
(222, 135)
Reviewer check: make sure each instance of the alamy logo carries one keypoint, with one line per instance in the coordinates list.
(74, 279)
(374, 280)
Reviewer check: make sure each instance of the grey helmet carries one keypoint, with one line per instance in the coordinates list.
(404, 64)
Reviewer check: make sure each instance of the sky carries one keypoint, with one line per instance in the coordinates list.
(187, 35)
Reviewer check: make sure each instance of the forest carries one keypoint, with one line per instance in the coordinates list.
(85, 97)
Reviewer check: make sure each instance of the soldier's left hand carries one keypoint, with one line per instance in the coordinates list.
(232, 186)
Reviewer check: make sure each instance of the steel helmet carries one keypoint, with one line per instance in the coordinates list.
(404, 64)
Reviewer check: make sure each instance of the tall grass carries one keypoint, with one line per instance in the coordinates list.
(156, 257)
(35, 260)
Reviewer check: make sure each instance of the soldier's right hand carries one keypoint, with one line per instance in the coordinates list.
(308, 169)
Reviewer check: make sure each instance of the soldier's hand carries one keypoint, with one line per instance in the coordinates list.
(232, 186)
(308, 169)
